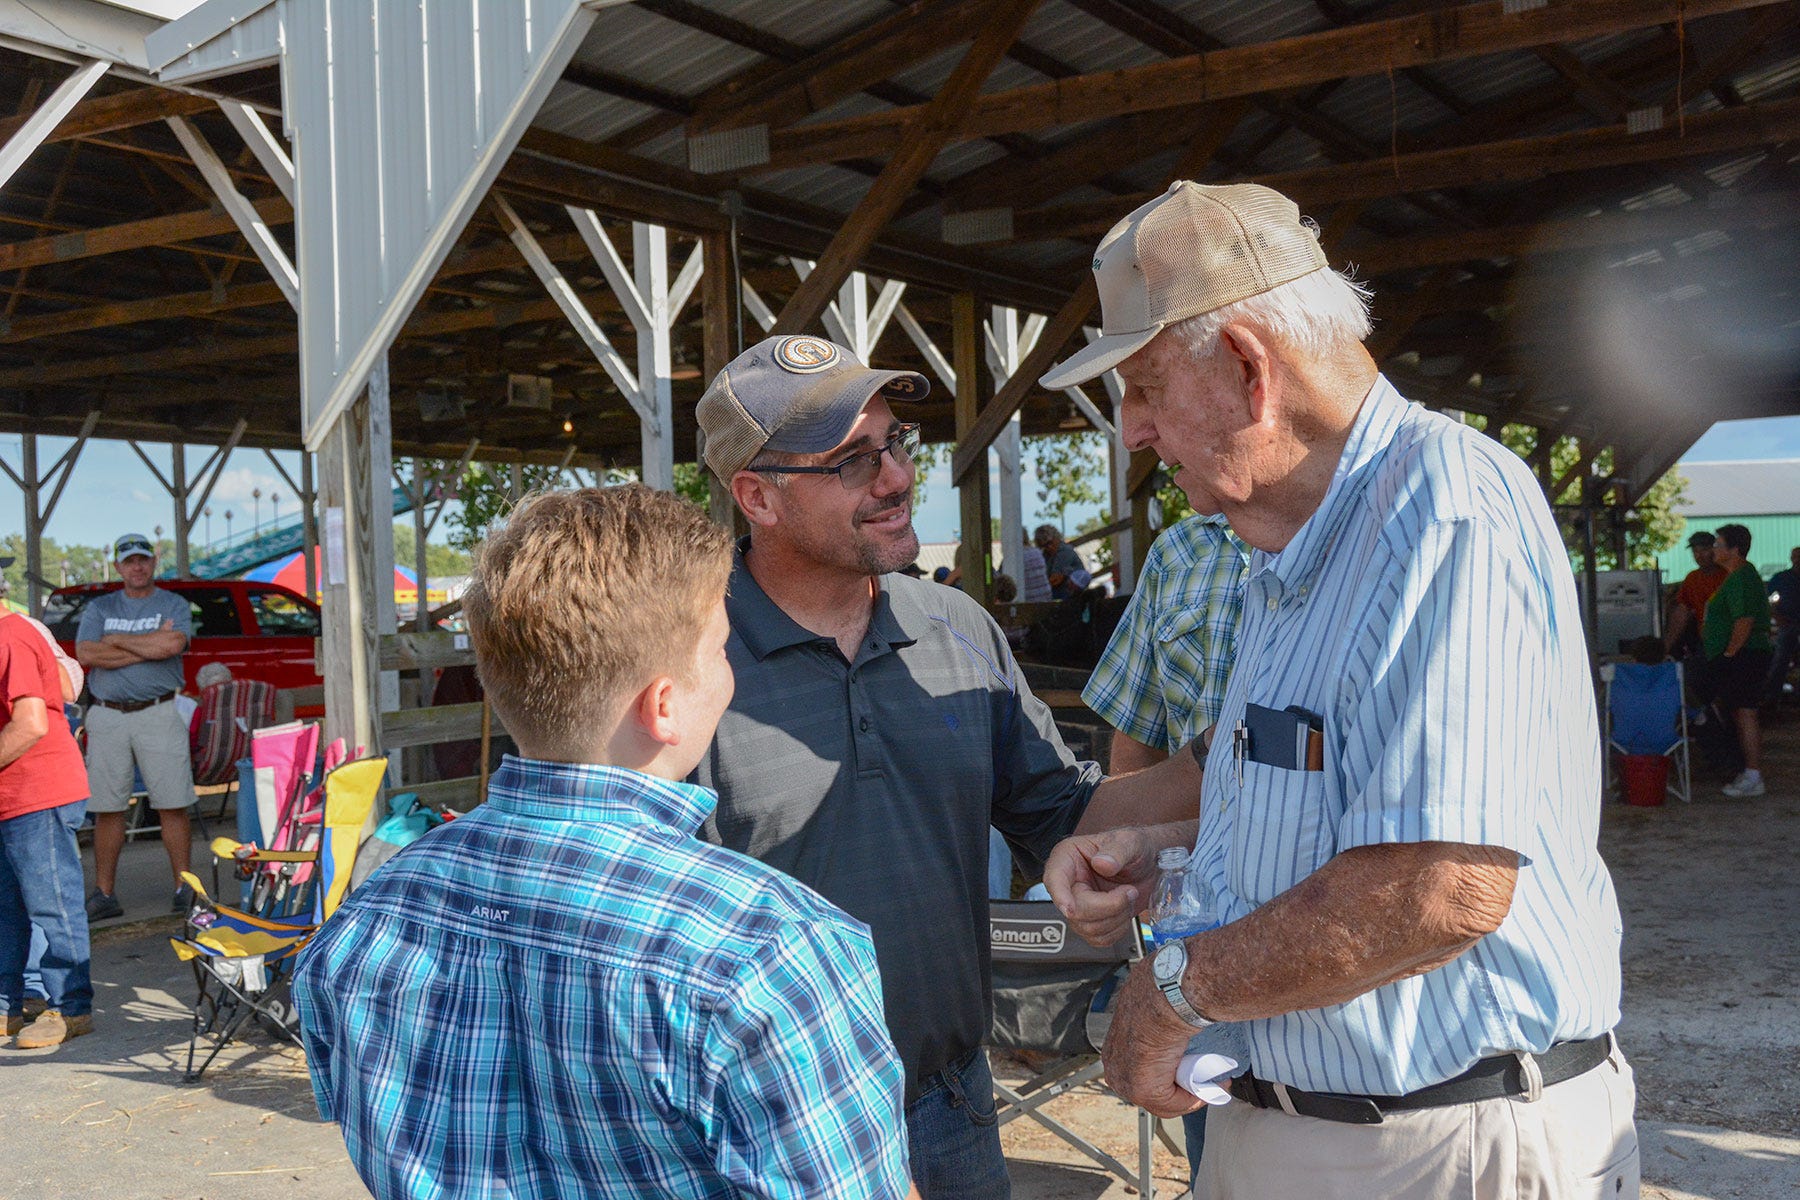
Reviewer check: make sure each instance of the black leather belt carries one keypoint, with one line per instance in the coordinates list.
(1489, 1079)
(135, 705)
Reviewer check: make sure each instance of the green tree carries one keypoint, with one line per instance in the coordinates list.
(1071, 470)
(485, 492)
(441, 561)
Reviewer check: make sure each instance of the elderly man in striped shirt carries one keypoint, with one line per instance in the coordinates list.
(1400, 807)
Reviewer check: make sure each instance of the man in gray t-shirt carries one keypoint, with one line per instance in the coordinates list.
(131, 642)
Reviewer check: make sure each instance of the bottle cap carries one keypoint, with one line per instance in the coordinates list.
(1172, 858)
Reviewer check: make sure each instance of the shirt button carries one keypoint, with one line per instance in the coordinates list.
(1272, 603)
(863, 724)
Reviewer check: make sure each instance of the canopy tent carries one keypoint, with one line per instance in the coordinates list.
(290, 572)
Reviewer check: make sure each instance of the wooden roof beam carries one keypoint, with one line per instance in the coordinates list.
(926, 135)
(844, 68)
(109, 114)
(170, 230)
(1452, 34)
(1517, 161)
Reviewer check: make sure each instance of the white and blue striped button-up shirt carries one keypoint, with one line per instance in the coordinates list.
(1427, 612)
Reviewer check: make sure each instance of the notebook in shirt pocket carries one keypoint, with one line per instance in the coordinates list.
(1280, 831)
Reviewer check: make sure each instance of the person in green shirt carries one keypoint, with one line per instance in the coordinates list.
(1735, 634)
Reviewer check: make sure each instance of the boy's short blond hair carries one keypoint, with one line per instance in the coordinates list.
(582, 598)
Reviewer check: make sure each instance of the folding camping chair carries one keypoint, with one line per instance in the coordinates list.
(1646, 713)
(1052, 995)
(243, 961)
(229, 714)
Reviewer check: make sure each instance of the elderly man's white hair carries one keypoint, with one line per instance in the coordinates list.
(1316, 314)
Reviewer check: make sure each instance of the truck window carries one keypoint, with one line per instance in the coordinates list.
(281, 615)
(215, 613)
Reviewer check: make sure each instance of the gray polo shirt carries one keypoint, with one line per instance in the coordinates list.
(875, 781)
(115, 612)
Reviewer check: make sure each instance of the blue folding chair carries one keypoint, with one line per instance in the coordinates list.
(1646, 713)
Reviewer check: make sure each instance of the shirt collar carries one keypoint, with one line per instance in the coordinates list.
(1380, 415)
(532, 787)
(898, 618)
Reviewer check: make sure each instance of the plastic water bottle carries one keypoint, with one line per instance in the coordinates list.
(1179, 909)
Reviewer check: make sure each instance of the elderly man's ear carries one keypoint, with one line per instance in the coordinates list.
(1248, 359)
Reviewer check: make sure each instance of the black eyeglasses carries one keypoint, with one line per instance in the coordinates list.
(859, 470)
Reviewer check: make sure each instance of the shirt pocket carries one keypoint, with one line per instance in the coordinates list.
(1280, 831)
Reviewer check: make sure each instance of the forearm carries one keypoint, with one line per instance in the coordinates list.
(1678, 621)
(104, 654)
(1168, 791)
(1127, 755)
(18, 736)
(1370, 916)
(153, 646)
(1740, 633)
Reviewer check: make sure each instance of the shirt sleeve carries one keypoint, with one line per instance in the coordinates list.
(1040, 790)
(1122, 690)
(93, 622)
(181, 616)
(1449, 739)
(22, 674)
(809, 1091)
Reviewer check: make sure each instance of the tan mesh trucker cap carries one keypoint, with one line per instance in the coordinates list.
(1194, 248)
(798, 394)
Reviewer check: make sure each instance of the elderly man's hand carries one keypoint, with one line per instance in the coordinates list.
(1101, 881)
(1144, 1046)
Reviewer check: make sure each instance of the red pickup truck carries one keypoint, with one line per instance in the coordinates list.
(259, 630)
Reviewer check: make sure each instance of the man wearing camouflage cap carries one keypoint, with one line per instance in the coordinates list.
(880, 725)
(1400, 807)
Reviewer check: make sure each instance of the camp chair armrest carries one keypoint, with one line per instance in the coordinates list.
(225, 848)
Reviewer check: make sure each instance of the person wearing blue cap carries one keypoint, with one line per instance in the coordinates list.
(880, 724)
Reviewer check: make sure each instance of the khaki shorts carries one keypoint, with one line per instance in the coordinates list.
(1577, 1141)
(152, 740)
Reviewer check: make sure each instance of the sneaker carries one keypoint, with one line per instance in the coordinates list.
(53, 1029)
(102, 905)
(183, 901)
(1750, 783)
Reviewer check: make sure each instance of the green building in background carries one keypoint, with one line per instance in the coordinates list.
(1763, 495)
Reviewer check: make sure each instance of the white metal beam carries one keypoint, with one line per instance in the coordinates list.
(756, 306)
(263, 143)
(934, 357)
(598, 344)
(650, 265)
(682, 290)
(256, 231)
(1088, 410)
(47, 117)
(587, 224)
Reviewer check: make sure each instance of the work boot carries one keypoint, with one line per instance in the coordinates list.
(103, 905)
(14, 1023)
(34, 1008)
(53, 1029)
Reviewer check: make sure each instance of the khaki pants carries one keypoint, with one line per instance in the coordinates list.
(1575, 1142)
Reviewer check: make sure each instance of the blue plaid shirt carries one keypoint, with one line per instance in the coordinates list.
(1162, 677)
(567, 994)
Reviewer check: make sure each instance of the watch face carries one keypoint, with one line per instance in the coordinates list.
(1170, 961)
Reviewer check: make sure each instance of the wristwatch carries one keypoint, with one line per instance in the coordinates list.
(1167, 969)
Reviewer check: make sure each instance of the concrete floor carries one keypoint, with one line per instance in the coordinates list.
(1712, 1024)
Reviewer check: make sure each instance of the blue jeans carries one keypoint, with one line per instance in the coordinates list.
(1194, 1126)
(953, 1138)
(41, 884)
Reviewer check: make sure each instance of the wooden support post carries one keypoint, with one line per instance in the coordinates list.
(34, 525)
(1140, 484)
(358, 577)
(309, 523)
(422, 618)
(719, 292)
(178, 491)
(977, 526)
(655, 353)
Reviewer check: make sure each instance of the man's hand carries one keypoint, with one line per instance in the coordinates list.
(1144, 1046)
(1101, 881)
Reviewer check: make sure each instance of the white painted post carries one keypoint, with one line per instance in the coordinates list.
(1004, 352)
(650, 266)
(46, 118)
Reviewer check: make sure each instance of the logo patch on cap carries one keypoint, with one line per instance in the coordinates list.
(805, 355)
(903, 385)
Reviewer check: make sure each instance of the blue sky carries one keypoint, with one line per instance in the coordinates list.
(112, 491)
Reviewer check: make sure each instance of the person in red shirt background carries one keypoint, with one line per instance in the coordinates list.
(43, 797)
(1682, 639)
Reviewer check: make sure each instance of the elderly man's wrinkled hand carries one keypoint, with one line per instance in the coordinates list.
(1144, 1047)
(1101, 881)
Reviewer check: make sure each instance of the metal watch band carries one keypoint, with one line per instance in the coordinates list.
(1187, 1012)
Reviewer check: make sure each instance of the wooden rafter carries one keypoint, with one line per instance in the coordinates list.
(1463, 32)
